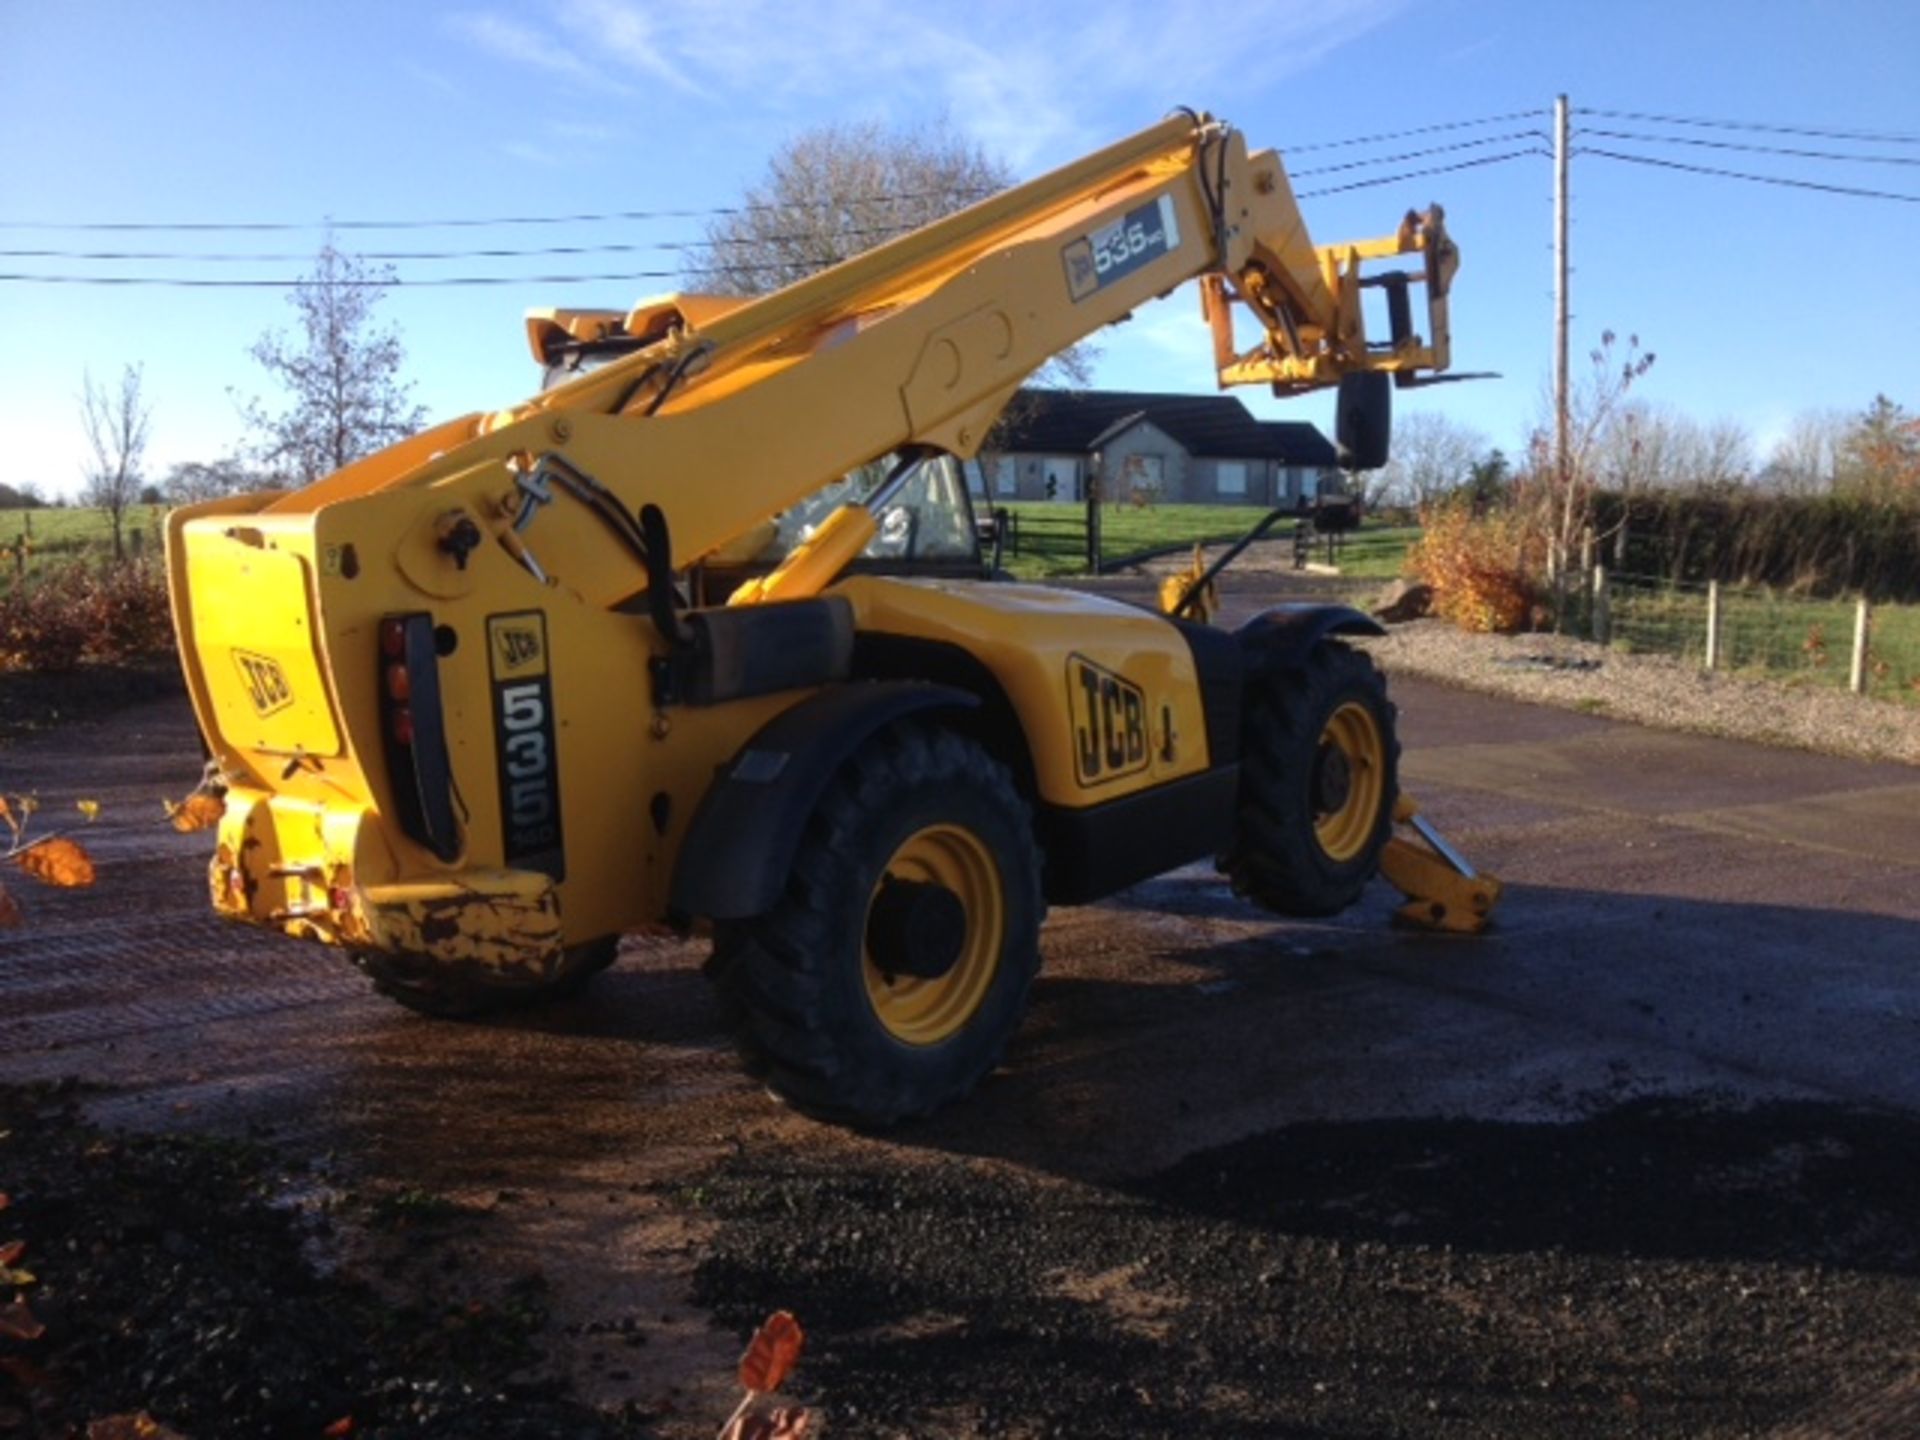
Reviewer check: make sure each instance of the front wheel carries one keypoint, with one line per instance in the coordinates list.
(887, 979)
(1319, 773)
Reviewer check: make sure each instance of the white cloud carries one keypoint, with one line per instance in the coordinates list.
(1031, 83)
(526, 45)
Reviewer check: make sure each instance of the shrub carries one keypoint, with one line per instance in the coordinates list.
(1482, 567)
(53, 620)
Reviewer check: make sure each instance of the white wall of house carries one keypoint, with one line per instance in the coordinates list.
(1144, 458)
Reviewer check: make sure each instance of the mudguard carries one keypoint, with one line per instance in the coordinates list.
(1286, 634)
(741, 844)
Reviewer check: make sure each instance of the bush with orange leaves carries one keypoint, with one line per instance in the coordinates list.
(1484, 567)
(54, 620)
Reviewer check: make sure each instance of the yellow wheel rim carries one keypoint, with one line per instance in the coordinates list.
(925, 1012)
(1347, 807)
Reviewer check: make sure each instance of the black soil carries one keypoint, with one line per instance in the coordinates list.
(1660, 1269)
(32, 703)
(175, 1276)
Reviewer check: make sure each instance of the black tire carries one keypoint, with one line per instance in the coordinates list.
(1278, 858)
(425, 988)
(799, 984)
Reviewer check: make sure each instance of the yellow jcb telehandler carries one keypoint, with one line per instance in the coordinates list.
(699, 636)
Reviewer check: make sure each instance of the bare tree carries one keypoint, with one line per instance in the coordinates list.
(193, 480)
(345, 397)
(1805, 459)
(1560, 497)
(835, 191)
(1432, 457)
(116, 422)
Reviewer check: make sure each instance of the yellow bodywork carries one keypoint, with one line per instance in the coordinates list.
(725, 414)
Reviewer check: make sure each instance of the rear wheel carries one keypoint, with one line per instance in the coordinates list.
(424, 986)
(888, 977)
(1318, 779)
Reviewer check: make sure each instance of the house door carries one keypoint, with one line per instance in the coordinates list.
(1060, 479)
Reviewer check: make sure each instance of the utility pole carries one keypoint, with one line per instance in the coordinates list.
(1562, 424)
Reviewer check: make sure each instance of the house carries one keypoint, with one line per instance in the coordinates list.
(1206, 449)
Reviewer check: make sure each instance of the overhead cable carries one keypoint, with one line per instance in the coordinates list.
(215, 226)
(1406, 155)
(1416, 174)
(1877, 137)
(1417, 130)
(1788, 181)
(1643, 137)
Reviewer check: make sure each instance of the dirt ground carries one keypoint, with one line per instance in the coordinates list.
(1640, 1162)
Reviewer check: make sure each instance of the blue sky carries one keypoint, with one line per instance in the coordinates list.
(1760, 302)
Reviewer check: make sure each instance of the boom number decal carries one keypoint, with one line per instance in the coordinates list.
(1102, 256)
(1109, 722)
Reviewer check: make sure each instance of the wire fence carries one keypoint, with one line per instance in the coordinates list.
(1752, 631)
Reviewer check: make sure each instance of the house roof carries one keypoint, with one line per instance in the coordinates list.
(1075, 422)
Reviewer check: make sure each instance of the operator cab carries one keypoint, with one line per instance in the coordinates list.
(928, 529)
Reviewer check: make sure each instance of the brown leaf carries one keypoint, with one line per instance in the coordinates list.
(340, 1427)
(197, 812)
(138, 1426)
(5, 1199)
(59, 862)
(772, 1352)
(11, 1252)
(9, 910)
(17, 1322)
(24, 1373)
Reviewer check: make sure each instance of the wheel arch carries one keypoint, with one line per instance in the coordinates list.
(741, 843)
(1286, 634)
(991, 721)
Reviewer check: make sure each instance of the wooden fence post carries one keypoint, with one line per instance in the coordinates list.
(1602, 607)
(1857, 677)
(1713, 625)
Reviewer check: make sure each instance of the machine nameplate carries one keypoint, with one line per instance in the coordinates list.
(1103, 256)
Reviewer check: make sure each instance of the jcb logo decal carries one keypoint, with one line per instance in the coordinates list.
(519, 645)
(1109, 722)
(523, 732)
(266, 682)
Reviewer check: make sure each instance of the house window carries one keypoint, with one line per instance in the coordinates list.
(1230, 477)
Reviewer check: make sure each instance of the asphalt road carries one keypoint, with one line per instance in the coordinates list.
(1715, 925)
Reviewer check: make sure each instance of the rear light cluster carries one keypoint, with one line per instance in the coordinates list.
(418, 764)
(396, 686)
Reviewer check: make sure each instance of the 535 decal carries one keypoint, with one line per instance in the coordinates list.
(1102, 256)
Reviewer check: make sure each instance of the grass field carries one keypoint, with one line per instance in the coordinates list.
(1789, 638)
(1049, 538)
(55, 537)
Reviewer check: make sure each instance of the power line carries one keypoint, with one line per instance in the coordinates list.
(1643, 137)
(284, 226)
(1416, 174)
(1864, 136)
(1756, 179)
(1540, 135)
(266, 257)
(187, 282)
(1418, 130)
(203, 283)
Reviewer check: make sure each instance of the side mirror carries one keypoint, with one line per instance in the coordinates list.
(1363, 420)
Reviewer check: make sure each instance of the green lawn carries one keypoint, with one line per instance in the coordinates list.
(1050, 537)
(1789, 638)
(59, 536)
